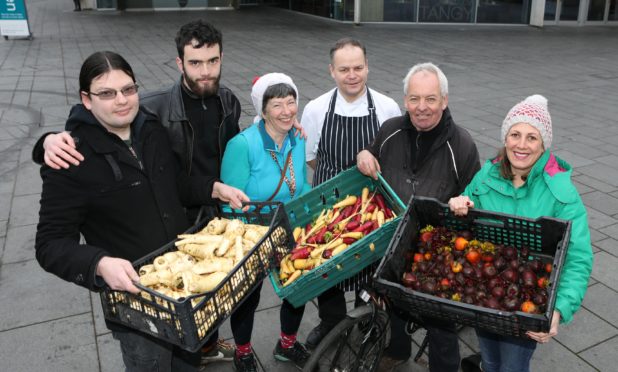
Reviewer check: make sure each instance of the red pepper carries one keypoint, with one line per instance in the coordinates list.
(363, 227)
(352, 225)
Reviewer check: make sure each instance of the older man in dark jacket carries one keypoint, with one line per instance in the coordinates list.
(423, 153)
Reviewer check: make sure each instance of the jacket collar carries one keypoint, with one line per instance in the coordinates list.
(177, 106)
(100, 142)
(269, 144)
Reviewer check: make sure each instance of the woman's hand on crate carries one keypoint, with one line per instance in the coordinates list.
(118, 273)
(460, 204)
(543, 337)
(367, 164)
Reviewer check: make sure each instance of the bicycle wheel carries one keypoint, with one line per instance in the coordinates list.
(354, 345)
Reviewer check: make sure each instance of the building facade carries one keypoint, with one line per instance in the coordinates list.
(533, 12)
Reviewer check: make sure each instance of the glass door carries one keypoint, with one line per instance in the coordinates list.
(561, 11)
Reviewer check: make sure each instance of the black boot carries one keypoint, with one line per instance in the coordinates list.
(78, 6)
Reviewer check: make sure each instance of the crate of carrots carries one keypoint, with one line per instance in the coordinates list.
(340, 227)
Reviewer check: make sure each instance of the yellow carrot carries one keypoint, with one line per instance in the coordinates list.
(350, 200)
(354, 235)
(340, 248)
(365, 195)
(380, 218)
(292, 278)
(297, 232)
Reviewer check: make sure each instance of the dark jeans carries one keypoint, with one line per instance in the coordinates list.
(505, 353)
(443, 346)
(242, 319)
(143, 353)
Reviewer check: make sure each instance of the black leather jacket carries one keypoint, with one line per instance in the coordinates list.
(168, 106)
(449, 165)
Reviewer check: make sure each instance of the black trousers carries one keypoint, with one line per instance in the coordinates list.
(443, 343)
(242, 319)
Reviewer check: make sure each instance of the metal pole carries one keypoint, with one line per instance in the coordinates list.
(357, 12)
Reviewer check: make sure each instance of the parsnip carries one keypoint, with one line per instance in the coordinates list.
(204, 250)
(223, 247)
(146, 269)
(157, 277)
(212, 265)
(206, 283)
(216, 226)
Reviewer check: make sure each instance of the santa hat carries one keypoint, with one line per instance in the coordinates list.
(262, 83)
(533, 111)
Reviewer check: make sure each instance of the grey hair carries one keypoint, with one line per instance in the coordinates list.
(428, 67)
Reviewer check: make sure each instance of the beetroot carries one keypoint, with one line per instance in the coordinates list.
(510, 275)
(409, 279)
(489, 271)
(492, 303)
(498, 292)
(509, 252)
(528, 278)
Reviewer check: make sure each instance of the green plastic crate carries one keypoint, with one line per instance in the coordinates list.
(356, 257)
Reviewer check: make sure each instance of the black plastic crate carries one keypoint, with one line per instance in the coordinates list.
(188, 322)
(547, 239)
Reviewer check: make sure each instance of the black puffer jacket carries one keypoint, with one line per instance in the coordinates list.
(449, 165)
(124, 207)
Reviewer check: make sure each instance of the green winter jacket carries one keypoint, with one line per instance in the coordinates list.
(548, 191)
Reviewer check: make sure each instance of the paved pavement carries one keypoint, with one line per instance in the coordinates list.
(50, 325)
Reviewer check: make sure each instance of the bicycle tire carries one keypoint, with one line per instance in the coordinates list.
(343, 349)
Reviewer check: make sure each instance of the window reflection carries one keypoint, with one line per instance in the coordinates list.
(503, 11)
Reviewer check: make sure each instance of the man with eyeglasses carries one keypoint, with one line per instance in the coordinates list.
(200, 115)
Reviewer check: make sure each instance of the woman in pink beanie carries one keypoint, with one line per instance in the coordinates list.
(527, 179)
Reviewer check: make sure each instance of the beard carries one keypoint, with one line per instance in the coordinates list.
(199, 88)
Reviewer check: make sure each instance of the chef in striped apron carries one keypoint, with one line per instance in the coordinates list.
(339, 124)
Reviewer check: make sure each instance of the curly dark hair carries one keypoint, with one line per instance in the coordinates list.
(201, 31)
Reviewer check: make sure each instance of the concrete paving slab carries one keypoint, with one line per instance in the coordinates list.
(604, 269)
(611, 231)
(601, 300)
(603, 173)
(30, 295)
(58, 346)
(609, 245)
(603, 356)
(555, 357)
(110, 356)
(599, 220)
(576, 336)
(5, 200)
(25, 210)
(19, 244)
(596, 235)
(28, 179)
(601, 202)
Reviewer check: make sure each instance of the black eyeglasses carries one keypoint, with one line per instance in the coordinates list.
(109, 94)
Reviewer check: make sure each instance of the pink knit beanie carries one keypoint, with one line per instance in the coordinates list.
(533, 111)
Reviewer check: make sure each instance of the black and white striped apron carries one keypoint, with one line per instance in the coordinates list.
(343, 137)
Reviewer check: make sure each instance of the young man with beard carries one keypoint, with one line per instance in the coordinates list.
(423, 153)
(200, 116)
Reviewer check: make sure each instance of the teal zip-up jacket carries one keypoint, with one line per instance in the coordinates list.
(548, 191)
